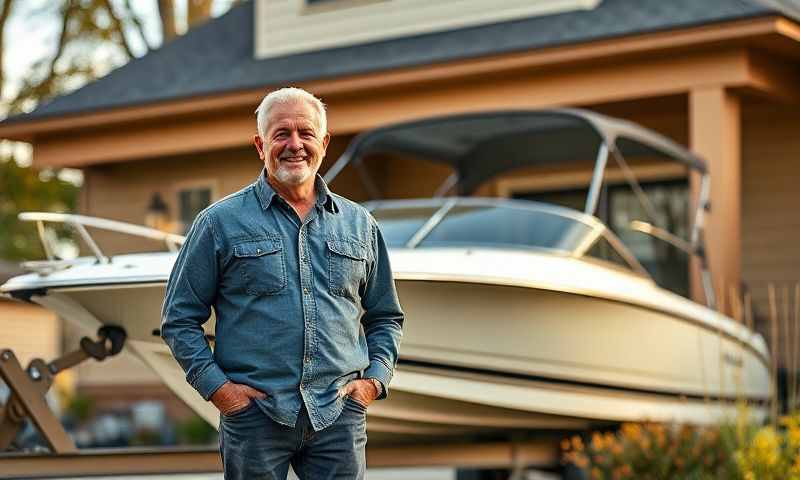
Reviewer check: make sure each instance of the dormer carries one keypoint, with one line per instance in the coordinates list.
(285, 27)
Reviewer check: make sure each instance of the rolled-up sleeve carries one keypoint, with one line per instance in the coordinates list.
(383, 317)
(191, 292)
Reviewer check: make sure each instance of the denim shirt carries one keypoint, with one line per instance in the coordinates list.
(302, 307)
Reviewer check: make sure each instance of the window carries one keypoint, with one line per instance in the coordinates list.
(192, 199)
(618, 206)
(398, 225)
(503, 226)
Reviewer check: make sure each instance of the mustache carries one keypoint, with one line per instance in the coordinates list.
(288, 154)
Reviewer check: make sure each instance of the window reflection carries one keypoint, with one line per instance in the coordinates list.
(618, 206)
(503, 226)
(398, 225)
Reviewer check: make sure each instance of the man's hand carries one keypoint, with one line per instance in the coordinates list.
(362, 391)
(232, 397)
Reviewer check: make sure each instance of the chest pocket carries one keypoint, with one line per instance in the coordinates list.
(347, 268)
(261, 266)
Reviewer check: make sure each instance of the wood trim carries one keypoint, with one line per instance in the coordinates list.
(605, 51)
(715, 134)
(587, 85)
(773, 78)
(788, 29)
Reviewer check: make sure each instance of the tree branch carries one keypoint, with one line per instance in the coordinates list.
(166, 11)
(118, 27)
(69, 7)
(5, 12)
(198, 11)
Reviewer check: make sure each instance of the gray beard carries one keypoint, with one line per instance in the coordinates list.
(289, 178)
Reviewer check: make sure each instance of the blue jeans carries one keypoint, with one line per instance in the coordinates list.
(254, 447)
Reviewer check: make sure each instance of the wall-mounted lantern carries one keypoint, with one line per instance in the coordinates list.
(157, 215)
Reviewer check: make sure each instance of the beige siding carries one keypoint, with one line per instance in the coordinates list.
(283, 26)
(770, 199)
(29, 331)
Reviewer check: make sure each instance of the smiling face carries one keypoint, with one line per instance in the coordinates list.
(294, 146)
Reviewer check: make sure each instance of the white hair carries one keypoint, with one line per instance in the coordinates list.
(289, 95)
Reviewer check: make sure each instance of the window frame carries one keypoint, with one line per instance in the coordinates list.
(204, 183)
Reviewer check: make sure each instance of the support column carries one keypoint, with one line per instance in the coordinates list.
(715, 134)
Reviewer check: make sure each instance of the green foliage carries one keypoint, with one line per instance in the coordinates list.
(81, 407)
(146, 438)
(28, 189)
(195, 431)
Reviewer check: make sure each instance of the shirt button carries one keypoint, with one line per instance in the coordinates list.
(258, 250)
(308, 359)
(305, 290)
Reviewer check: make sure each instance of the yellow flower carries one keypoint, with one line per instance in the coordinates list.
(632, 431)
(766, 445)
(597, 441)
(577, 443)
(616, 449)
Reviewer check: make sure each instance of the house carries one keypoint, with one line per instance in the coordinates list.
(172, 131)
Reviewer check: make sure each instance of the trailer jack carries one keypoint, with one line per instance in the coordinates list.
(29, 386)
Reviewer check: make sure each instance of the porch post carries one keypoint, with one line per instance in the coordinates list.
(715, 134)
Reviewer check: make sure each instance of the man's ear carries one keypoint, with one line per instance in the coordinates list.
(325, 142)
(259, 146)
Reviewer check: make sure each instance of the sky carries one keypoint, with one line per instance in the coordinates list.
(32, 35)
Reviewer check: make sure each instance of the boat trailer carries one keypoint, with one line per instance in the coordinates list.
(27, 400)
(29, 386)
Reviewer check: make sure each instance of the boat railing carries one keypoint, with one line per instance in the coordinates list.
(79, 224)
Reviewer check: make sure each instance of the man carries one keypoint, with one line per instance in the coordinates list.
(308, 323)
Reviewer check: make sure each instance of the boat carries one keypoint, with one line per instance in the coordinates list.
(520, 315)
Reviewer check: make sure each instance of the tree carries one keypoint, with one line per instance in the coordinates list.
(26, 189)
(84, 26)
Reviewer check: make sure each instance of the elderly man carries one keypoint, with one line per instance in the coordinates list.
(308, 323)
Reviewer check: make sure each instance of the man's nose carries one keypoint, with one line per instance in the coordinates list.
(295, 142)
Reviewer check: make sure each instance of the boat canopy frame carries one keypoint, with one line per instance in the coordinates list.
(481, 145)
(79, 223)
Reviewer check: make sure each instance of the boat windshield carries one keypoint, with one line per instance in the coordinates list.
(460, 222)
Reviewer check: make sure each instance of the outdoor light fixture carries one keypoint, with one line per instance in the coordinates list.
(157, 215)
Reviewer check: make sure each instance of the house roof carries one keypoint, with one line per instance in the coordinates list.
(217, 56)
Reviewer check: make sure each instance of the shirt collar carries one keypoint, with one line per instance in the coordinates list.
(266, 194)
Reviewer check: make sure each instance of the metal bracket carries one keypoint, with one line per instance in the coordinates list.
(29, 386)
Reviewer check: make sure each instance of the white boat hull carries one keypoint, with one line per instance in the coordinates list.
(500, 353)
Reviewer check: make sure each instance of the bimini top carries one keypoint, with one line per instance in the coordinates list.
(481, 145)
